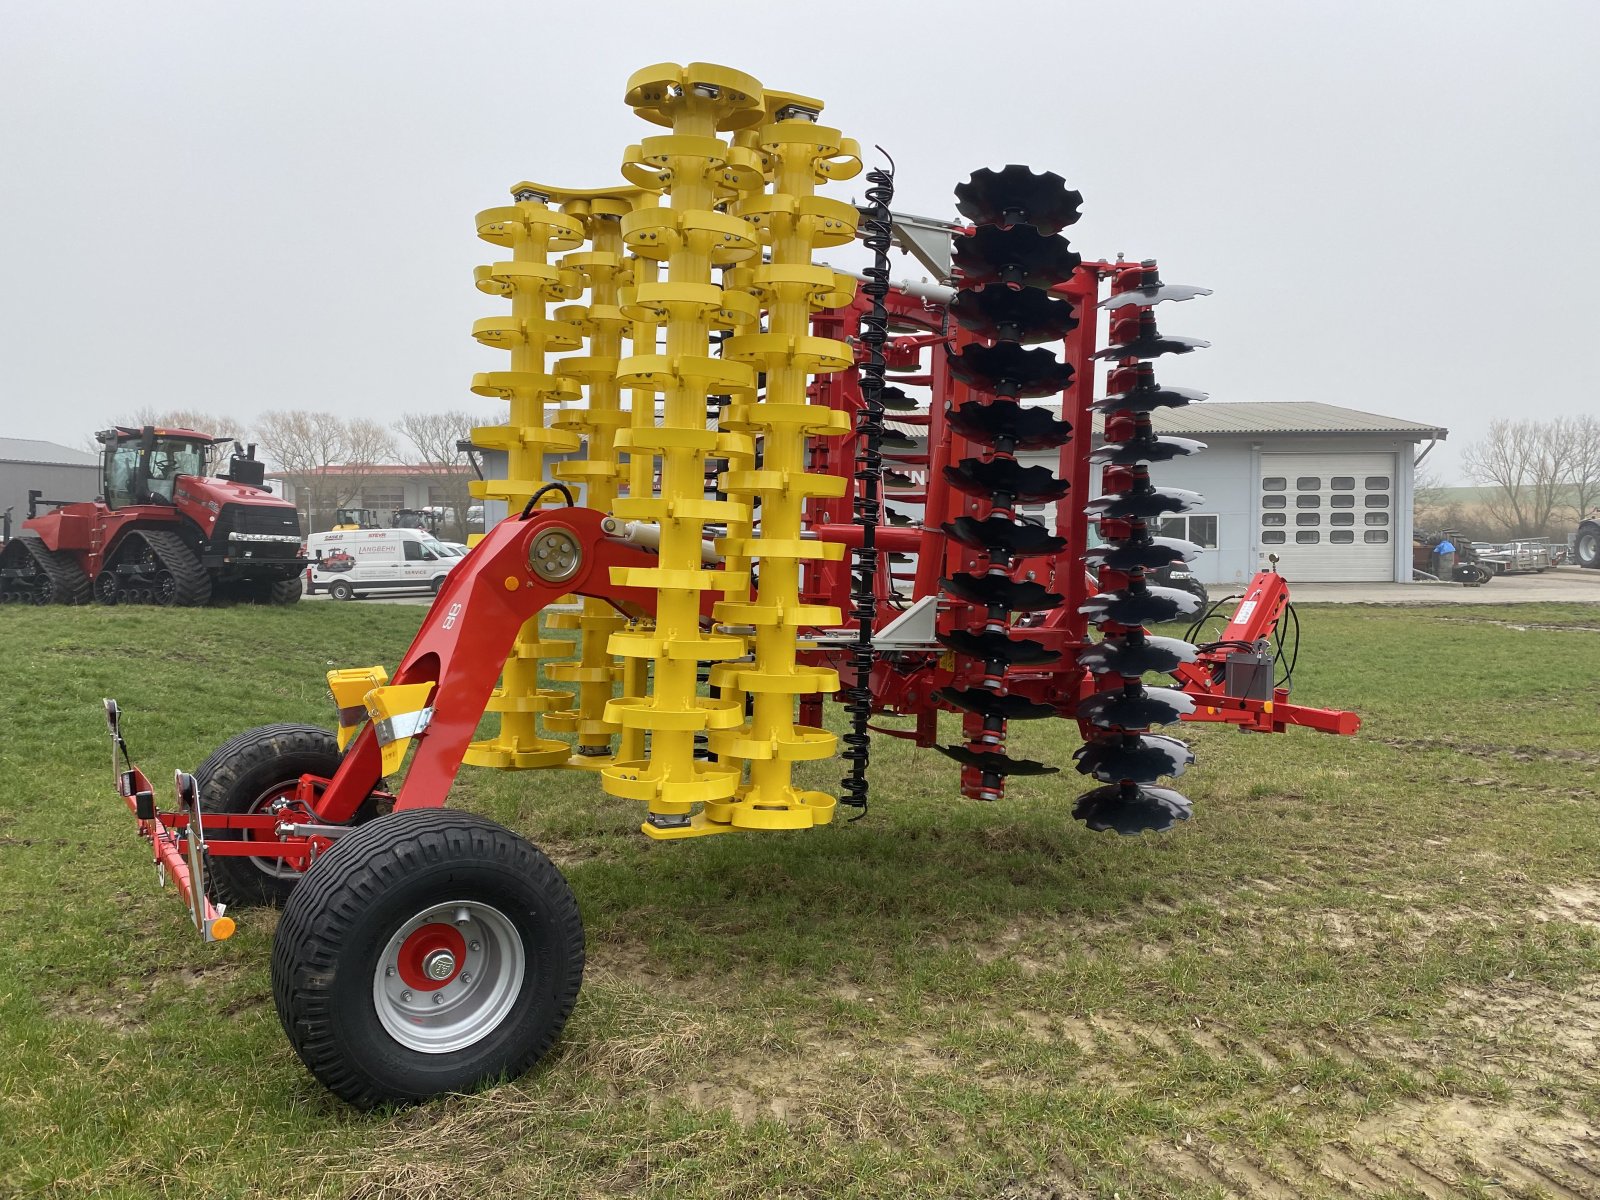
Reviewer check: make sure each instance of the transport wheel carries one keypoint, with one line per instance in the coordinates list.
(341, 591)
(245, 775)
(428, 952)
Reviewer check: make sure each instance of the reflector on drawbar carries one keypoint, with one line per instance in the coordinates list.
(1003, 315)
(1004, 536)
(990, 647)
(1142, 554)
(1139, 757)
(1135, 707)
(1014, 195)
(991, 762)
(1146, 395)
(1006, 369)
(1024, 427)
(1149, 342)
(1142, 503)
(986, 704)
(1141, 606)
(992, 590)
(1027, 485)
(1144, 450)
(1128, 808)
(1017, 257)
(1136, 654)
(896, 400)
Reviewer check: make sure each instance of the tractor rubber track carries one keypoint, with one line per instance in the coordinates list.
(191, 584)
(64, 581)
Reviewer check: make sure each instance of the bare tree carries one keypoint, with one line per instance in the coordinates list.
(1582, 435)
(325, 456)
(434, 436)
(185, 418)
(1526, 466)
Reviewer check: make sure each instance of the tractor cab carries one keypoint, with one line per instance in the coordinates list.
(140, 466)
(355, 518)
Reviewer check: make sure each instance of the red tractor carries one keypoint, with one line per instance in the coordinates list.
(163, 531)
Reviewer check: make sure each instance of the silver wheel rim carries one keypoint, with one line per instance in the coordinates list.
(275, 868)
(487, 963)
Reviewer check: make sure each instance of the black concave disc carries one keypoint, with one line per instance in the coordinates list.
(1149, 342)
(1017, 257)
(1141, 606)
(1007, 369)
(998, 589)
(1150, 290)
(1003, 315)
(898, 479)
(1014, 195)
(893, 439)
(1141, 503)
(986, 704)
(1144, 450)
(1134, 654)
(1013, 538)
(1135, 707)
(1142, 554)
(1024, 426)
(1146, 395)
(992, 763)
(1027, 485)
(897, 518)
(1130, 809)
(896, 400)
(990, 646)
(1139, 757)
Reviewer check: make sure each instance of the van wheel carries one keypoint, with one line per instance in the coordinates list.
(341, 591)
(438, 582)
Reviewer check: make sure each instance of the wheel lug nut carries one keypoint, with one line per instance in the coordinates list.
(405, 997)
(438, 997)
(465, 977)
(389, 971)
(474, 946)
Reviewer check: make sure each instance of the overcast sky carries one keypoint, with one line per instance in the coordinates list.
(236, 208)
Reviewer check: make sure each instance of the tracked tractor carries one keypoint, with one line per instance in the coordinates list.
(163, 531)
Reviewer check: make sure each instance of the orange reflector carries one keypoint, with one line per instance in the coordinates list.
(511, 583)
(222, 928)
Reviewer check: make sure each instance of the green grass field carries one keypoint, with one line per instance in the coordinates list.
(1369, 966)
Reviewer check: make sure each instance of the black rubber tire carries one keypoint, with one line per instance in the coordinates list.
(340, 590)
(238, 774)
(284, 591)
(190, 585)
(57, 577)
(1197, 589)
(438, 582)
(325, 953)
(1586, 548)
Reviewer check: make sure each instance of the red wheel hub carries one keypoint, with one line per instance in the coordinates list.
(422, 953)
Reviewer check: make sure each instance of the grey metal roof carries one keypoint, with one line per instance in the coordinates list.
(1285, 416)
(30, 450)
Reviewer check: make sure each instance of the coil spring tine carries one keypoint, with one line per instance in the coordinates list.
(876, 228)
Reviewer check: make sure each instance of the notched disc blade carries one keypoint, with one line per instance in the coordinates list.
(1145, 450)
(1129, 809)
(1142, 503)
(898, 479)
(1144, 554)
(1146, 395)
(1135, 708)
(1017, 539)
(1004, 315)
(1027, 485)
(1023, 426)
(990, 590)
(1014, 195)
(990, 646)
(1143, 606)
(1140, 758)
(1017, 257)
(893, 439)
(986, 704)
(1132, 655)
(1152, 291)
(993, 763)
(1007, 369)
(896, 400)
(897, 518)
(1150, 342)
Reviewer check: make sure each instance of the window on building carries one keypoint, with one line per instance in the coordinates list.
(1343, 483)
(1274, 501)
(1308, 483)
(1274, 519)
(1341, 501)
(1273, 537)
(1307, 537)
(1308, 518)
(1191, 527)
(1377, 483)
(1274, 483)
(385, 500)
(1377, 501)
(1341, 518)
(1375, 537)
(1308, 501)
(1342, 537)
(1377, 518)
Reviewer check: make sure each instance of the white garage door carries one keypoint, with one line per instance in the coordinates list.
(1329, 518)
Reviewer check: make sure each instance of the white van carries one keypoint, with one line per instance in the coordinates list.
(348, 562)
